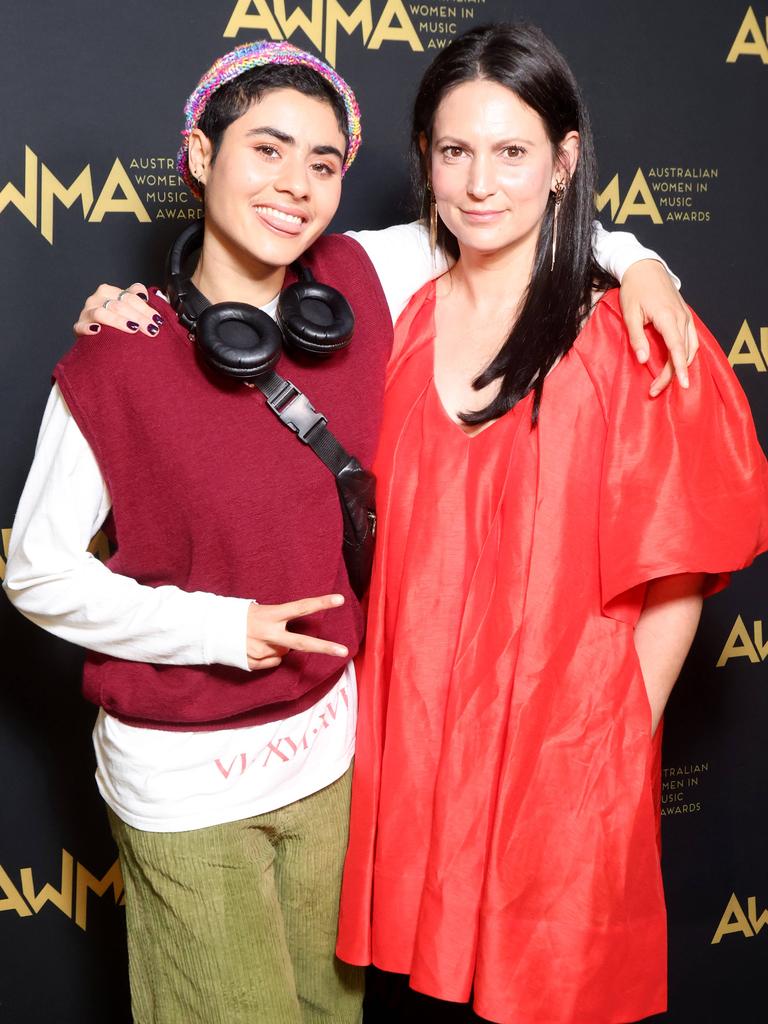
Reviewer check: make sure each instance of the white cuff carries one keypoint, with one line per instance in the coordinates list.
(225, 640)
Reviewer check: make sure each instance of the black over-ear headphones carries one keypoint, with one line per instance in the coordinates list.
(241, 340)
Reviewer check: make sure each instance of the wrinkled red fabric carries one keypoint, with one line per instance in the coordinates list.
(505, 803)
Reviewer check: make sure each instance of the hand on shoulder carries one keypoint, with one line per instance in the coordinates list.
(125, 309)
(649, 296)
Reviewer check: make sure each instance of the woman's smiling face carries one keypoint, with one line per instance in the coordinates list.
(493, 166)
(275, 182)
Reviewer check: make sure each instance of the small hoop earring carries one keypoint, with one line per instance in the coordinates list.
(559, 194)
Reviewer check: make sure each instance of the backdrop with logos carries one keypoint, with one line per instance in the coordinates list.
(92, 97)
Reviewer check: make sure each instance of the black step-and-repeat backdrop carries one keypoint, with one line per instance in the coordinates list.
(91, 96)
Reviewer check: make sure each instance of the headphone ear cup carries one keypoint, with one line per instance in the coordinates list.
(315, 318)
(239, 340)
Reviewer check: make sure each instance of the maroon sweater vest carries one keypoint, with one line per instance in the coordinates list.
(211, 492)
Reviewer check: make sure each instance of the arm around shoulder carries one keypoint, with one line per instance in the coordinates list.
(402, 259)
(649, 295)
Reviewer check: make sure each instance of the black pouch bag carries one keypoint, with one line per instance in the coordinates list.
(357, 494)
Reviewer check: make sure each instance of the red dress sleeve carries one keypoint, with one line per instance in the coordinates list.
(684, 481)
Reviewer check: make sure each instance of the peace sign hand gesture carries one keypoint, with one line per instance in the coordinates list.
(269, 639)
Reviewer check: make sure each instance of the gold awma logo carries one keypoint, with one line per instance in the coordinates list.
(745, 350)
(750, 41)
(42, 190)
(71, 898)
(321, 26)
(743, 644)
(735, 922)
(637, 201)
(663, 193)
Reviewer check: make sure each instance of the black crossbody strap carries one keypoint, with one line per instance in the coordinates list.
(293, 408)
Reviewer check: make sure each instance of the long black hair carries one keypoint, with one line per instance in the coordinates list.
(521, 58)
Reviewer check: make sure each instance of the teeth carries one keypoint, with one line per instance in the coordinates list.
(278, 214)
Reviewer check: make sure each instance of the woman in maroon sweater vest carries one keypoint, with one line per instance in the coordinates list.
(225, 763)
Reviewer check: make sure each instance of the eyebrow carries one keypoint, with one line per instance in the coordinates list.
(289, 140)
(499, 142)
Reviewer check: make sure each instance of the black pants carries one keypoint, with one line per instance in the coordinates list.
(388, 998)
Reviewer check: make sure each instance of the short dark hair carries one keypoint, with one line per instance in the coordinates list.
(234, 98)
(522, 59)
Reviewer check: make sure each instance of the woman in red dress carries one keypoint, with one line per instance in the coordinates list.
(547, 533)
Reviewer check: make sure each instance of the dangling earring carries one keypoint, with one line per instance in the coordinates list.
(432, 219)
(559, 193)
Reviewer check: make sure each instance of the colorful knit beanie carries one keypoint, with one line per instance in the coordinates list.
(253, 55)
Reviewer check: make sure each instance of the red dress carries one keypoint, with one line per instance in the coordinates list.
(504, 813)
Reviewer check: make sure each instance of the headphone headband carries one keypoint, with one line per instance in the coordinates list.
(179, 287)
(185, 298)
(312, 318)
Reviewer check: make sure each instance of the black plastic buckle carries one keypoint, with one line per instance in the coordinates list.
(295, 410)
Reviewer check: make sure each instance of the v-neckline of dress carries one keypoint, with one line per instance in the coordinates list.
(486, 427)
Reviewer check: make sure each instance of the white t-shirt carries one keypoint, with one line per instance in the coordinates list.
(168, 781)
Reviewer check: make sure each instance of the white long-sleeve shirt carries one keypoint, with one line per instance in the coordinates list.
(159, 780)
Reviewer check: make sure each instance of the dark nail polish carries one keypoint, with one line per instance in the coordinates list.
(132, 326)
(94, 327)
(158, 320)
(143, 295)
(152, 329)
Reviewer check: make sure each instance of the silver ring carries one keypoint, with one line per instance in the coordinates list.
(105, 304)
(125, 291)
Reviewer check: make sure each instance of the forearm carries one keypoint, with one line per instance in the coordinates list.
(617, 251)
(82, 601)
(53, 581)
(664, 634)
